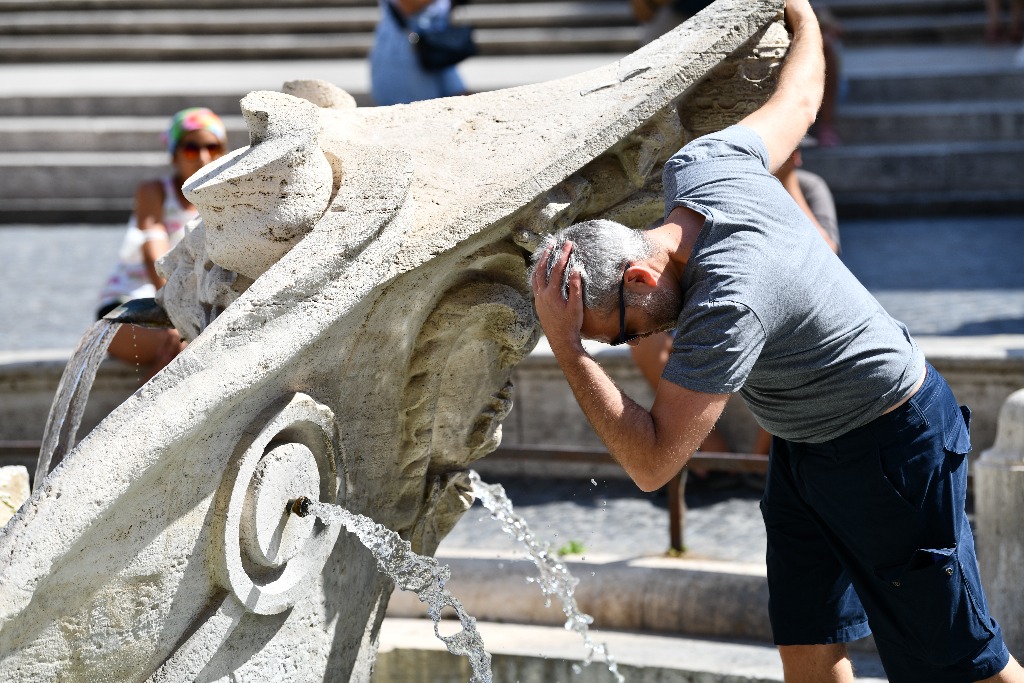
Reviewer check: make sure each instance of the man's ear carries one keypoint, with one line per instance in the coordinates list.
(640, 274)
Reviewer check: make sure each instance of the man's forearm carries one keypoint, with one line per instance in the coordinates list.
(626, 428)
(802, 77)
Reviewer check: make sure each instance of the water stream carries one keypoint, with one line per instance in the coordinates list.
(411, 572)
(68, 405)
(555, 578)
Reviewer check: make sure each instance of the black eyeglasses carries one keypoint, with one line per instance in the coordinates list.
(622, 338)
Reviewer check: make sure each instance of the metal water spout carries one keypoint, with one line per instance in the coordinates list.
(142, 312)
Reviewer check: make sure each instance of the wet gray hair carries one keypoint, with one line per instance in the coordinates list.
(602, 250)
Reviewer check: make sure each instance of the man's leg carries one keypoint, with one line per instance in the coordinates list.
(816, 663)
(1012, 673)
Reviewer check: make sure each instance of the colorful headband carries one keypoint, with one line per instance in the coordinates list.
(188, 120)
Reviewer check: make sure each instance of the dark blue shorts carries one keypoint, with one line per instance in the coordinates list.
(870, 528)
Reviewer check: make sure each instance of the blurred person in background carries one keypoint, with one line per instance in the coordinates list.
(994, 30)
(824, 128)
(195, 137)
(661, 16)
(396, 75)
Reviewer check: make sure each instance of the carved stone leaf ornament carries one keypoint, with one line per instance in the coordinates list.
(355, 301)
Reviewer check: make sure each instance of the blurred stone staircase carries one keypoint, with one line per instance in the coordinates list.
(110, 30)
(933, 121)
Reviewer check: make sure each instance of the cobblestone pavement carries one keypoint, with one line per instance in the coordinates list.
(614, 517)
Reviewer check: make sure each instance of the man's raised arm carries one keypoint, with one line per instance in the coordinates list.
(783, 120)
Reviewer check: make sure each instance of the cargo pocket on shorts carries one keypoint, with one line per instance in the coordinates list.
(932, 607)
(957, 438)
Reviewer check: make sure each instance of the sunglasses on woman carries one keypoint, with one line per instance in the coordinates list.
(191, 150)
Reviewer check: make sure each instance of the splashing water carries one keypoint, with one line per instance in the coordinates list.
(411, 572)
(72, 394)
(554, 579)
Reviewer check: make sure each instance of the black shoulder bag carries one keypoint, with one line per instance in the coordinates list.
(439, 49)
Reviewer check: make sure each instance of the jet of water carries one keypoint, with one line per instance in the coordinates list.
(554, 579)
(411, 572)
(68, 405)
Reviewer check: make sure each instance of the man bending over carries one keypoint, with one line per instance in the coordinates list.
(864, 503)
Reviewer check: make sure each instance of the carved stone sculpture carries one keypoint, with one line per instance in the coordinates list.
(355, 301)
(999, 508)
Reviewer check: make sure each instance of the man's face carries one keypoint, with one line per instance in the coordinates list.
(658, 312)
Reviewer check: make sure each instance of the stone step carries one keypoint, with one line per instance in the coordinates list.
(157, 105)
(858, 124)
(958, 28)
(924, 179)
(186, 5)
(923, 167)
(411, 653)
(956, 82)
(492, 41)
(355, 19)
(844, 9)
(97, 134)
(190, 5)
(160, 88)
(928, 204)
(968, 121)
(42, 176)
(192, 22)
(346, 31)
(867, 181)
(887, 76)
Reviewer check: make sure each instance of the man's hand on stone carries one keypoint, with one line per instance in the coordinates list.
(561, 318)
(798, 11)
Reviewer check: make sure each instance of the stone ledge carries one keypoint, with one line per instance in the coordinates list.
(666, 596)
(983, 372)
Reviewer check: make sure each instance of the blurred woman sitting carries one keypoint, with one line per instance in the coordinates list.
(194, 138)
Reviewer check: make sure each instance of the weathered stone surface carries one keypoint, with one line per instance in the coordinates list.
(999, 509)
(258, 201)
(360, 333)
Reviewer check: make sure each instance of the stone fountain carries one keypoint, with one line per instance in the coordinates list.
(355, 301)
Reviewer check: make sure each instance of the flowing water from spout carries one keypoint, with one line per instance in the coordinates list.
(555, 578)
(412, 572)
(72, 394)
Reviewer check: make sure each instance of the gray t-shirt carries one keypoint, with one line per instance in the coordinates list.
(769, 310)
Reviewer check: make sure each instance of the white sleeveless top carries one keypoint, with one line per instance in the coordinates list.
(128, 279)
